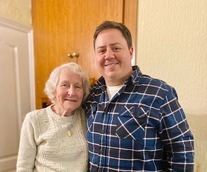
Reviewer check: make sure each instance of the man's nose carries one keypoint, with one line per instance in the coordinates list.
(109, 54)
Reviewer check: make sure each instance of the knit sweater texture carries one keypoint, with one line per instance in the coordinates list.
(45, 145)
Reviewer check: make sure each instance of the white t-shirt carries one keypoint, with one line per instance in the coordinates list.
(112, 90)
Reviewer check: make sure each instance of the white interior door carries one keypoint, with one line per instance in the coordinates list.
(16, 87)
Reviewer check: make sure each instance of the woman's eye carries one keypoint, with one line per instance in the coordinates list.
(64, 85)
(79, 87)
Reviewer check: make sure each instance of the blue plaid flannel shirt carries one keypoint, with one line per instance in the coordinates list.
(142, 128)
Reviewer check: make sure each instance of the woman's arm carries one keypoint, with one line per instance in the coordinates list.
(27, 146)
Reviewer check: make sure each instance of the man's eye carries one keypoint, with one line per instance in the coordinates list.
(101, 51)
(116, 48)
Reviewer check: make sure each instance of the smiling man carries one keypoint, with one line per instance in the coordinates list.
(135, 122)
(113, 56)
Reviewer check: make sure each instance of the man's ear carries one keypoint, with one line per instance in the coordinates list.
(131, 50)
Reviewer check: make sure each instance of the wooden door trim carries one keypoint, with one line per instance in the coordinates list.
(131, 19)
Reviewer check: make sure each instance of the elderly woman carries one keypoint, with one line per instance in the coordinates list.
(53, 138)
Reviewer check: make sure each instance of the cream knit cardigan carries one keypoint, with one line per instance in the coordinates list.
(45, 145)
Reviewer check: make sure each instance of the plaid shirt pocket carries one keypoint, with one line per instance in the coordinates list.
(131, 123)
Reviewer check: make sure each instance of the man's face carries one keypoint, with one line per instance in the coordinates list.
(113, 57)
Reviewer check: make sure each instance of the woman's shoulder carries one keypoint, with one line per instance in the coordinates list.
(36, 115)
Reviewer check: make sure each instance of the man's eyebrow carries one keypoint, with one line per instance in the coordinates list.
(101, 47)
(112, 44)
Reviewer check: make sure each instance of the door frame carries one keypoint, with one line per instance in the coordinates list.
(26, 36)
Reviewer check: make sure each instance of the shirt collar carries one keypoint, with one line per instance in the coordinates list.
(134, 78)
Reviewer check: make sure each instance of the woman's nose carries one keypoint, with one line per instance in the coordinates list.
(71, 91)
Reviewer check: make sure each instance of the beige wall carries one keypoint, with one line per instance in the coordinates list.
(172, 45)
(16, 10)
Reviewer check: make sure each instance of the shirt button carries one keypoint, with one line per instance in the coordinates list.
(101, 151)
(100, 170)
(102, 131)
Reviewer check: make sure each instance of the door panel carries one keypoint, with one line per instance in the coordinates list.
(8, 118)
(15, 89)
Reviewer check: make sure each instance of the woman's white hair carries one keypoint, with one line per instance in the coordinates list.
(51, 84)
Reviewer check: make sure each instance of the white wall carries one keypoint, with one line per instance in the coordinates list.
(172, 46)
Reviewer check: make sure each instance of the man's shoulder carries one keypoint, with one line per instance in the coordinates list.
(151, 81)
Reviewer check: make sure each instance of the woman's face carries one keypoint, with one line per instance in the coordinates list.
(69, 92)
